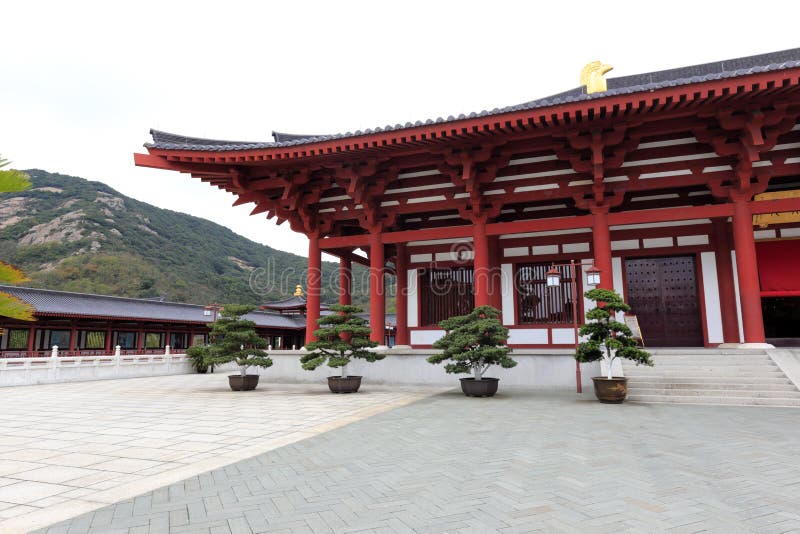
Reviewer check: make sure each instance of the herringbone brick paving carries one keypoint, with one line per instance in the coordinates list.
(520, 462)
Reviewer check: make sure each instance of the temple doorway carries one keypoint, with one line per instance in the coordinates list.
(664, 296)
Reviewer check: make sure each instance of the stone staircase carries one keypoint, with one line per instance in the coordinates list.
(711, 376)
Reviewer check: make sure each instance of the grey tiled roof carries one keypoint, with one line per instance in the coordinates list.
(84, 304)
(390, 318)
(650, 81)
(291, 302)
(281, 137)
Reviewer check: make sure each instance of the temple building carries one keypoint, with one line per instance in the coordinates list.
(81, 324)
(681, 188)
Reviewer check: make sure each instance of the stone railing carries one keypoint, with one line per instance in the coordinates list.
(64, 367)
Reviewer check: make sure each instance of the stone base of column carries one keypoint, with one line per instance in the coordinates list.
(745, 346)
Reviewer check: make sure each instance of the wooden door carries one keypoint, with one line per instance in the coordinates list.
(663, 294)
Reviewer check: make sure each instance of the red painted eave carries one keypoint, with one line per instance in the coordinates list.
(539, 118)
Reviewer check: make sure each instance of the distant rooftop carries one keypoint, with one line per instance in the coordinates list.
(64, 303)
(650, 81)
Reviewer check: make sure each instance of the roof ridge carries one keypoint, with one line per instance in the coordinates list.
(148, 300)
(647, 81)
(5, 287)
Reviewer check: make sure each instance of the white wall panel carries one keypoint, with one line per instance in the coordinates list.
(425, 337)
(413, 312)
(616, 268)
(738, 301)
(527, 336)
(507, 292)
(563, 336)
(708, 264)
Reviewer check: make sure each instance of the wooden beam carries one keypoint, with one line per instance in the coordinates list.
(539, 225)
(757, 207)
(681, 213)
(351, 241)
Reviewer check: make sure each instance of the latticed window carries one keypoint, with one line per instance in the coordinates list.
(153, 340)
(539, 304)
(17, 339)
(125, 340)
(92, 340)
(445, 293)
(178, 340)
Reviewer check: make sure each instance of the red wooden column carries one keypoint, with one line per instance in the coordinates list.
(140, 338)
(73, 337)
(480, 264)
(345, 280)
(747, 267)
(377, 295)
(727, 290)
(401, 267)
(313, 286)
(601, 242)
(31, 338)
(107, 341)
(495, 255)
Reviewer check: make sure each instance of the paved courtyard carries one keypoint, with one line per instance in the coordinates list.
(524, 461)
(70, 448)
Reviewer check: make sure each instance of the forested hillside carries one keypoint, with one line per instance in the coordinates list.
(75, 235)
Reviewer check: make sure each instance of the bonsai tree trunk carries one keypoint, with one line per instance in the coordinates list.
(610, 361)
(344, 369)
(478, 370)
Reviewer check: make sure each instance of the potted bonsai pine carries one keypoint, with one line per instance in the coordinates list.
(473, 343)
(199, 355)
(608, 339)
(342, 336)
(234, 339)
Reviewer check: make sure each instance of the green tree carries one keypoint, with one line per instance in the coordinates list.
(13, 181)
(342, 336)
(608, 339)
(473, 342)
(234, 339)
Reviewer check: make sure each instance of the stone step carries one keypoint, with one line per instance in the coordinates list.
(710, 380)
(704, 385)
(707, 352)
(761, 372)
(735, 401)
(714, 359)
(716, 369)
(638, 391)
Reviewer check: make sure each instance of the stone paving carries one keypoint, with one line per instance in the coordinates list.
(70, 448)
(521, 462)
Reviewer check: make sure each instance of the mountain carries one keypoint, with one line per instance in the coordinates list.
(71, 234)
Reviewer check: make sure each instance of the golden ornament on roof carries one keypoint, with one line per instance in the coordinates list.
(592, 77)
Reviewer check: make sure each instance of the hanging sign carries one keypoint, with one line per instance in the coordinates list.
(765, 219)
(633, 323)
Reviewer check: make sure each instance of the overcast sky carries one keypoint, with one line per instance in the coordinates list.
(83, 82)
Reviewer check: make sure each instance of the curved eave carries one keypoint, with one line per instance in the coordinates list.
(116, 318)
(144, 319)
(551, 118)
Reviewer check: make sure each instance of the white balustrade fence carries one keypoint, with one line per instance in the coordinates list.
(553, 368)
(56, 368)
